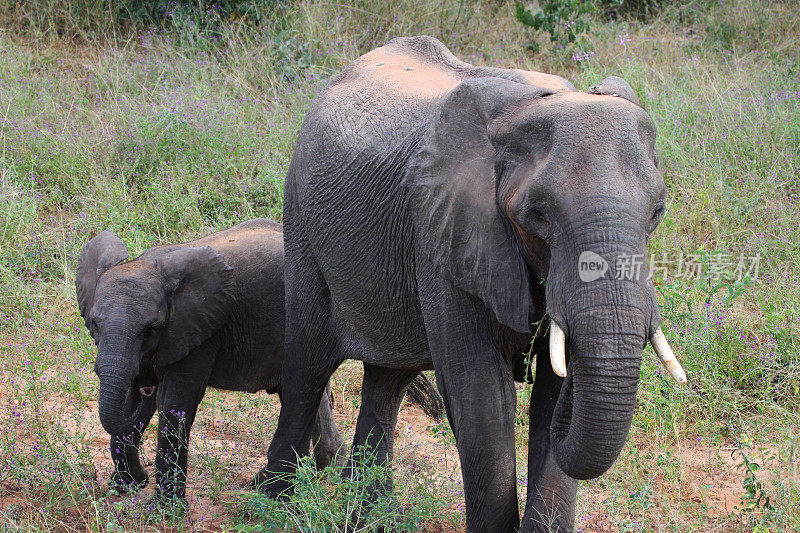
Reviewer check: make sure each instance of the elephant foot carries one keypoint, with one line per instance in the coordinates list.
(547, 525)
(275, 485)
(363, 516)
(331, 456)
(342, 456)
(128, 482)
(552, 514)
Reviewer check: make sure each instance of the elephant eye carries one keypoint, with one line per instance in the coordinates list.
(656, 217)
(658, 212)
(536, 214)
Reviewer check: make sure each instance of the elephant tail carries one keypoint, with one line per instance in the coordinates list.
(424, 394)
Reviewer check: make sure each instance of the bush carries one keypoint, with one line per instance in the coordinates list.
(564, 20)
(640, 9)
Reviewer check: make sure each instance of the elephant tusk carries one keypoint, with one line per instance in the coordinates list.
(558, 359)
(667, 356)
(147, 391)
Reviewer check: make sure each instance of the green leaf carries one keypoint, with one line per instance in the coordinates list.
(523, 15)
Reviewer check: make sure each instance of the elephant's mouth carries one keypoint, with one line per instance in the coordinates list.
(146, 380)
(661, 347)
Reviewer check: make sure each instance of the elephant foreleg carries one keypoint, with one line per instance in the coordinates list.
(475, 379)
(129, 476)
(550, 506)
(180, 393)
(174, 428)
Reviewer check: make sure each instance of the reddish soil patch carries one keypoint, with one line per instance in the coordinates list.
(713, 477)
(232, 433)
(703, 486)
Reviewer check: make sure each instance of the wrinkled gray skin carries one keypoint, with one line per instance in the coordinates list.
(427, 202)
(180, 318)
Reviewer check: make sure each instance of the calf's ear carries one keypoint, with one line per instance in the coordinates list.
(98, 255)
(200, 291)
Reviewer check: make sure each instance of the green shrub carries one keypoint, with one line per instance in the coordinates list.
(91, 20)
(564, 20)
(640, 9)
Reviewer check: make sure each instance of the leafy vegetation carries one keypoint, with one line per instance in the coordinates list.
(564, 20)
(169, 132)
(340, 503)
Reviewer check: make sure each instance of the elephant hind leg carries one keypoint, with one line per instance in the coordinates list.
(329, 447)
(382, 392)
(308, 364)
(312, 353)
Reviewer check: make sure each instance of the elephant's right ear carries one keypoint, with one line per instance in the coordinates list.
(452, 187)
(98, 255)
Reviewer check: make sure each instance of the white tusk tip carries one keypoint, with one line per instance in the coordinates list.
(558, 360)
(667, 356)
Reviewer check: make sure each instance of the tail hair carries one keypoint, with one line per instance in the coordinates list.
(424, 394)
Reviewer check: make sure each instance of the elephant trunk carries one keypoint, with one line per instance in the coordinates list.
(595, 408)
(607, 322)
(120, 402)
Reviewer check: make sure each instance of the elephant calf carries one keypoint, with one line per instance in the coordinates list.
(175, 320)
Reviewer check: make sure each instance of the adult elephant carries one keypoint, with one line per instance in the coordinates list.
(435, 214)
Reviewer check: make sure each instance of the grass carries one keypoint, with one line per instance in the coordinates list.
(162, 135)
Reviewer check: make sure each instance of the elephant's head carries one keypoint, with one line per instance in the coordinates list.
(155, 308)
(515, 190)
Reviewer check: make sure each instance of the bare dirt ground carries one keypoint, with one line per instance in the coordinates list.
(709, 484)
(231, 436)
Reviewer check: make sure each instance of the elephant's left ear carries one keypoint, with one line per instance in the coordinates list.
(452, 188)
(200, 288)
(616, 86)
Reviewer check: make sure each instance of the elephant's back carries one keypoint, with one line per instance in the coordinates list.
(343, 192)
(418, 70)
(244, 245)
(409, 69)
(248, 244)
